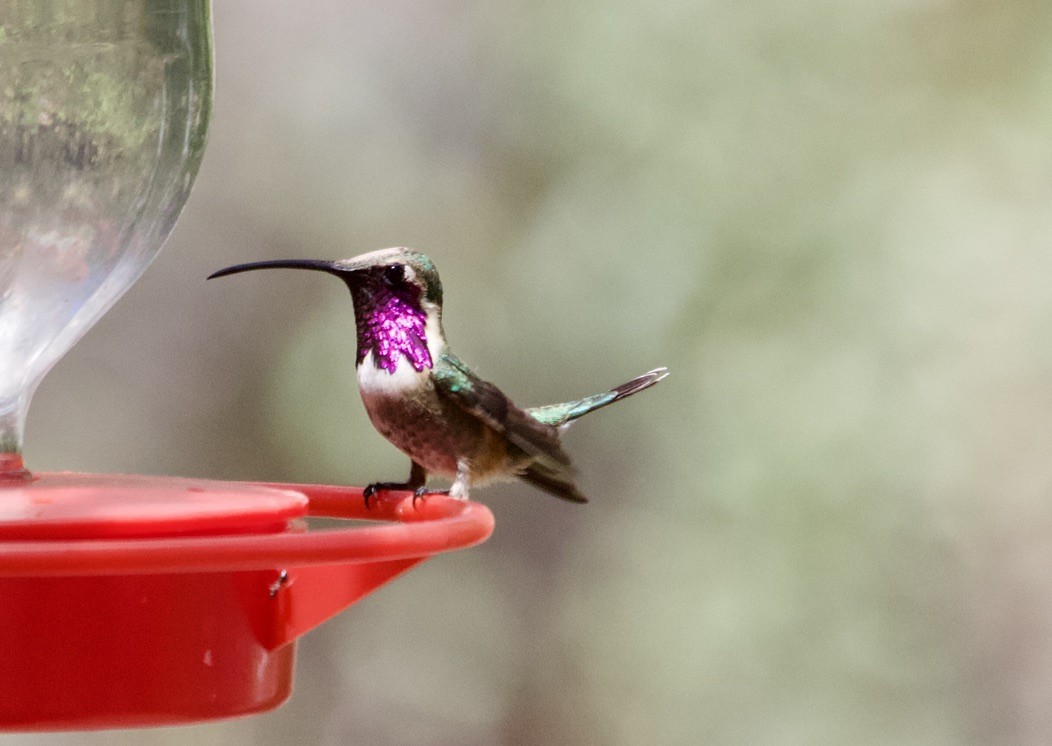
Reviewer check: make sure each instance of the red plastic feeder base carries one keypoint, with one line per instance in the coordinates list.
(135, 601)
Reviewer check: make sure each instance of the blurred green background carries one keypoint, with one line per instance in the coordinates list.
(831, 220)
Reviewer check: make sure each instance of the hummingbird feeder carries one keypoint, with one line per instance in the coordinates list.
(136, 600)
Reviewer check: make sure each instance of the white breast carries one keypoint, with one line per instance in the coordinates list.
(377, 382)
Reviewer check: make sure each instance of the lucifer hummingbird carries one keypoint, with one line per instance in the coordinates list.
(429, 404)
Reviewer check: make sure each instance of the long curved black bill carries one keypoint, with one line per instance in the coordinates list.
(316, 264)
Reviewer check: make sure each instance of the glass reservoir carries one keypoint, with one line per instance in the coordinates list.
(104, 107)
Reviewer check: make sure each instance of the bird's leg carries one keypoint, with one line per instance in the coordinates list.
(415, 484)
(462, 484)
(458, 490)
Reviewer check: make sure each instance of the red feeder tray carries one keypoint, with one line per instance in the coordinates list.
(134, 601)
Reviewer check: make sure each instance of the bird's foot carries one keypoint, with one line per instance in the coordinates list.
(421, 493)
(372, 489)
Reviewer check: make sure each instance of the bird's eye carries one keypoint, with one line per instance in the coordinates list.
(394, 275)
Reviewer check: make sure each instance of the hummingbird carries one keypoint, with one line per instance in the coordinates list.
(429, 404)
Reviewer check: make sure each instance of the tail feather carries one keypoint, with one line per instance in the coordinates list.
(639, 383)
(563, 414)
(553, 483)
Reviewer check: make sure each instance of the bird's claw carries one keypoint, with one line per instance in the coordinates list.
(368, 492)
(421, 493)
(372, 489)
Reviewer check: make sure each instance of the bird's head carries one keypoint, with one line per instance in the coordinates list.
(397, 303)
